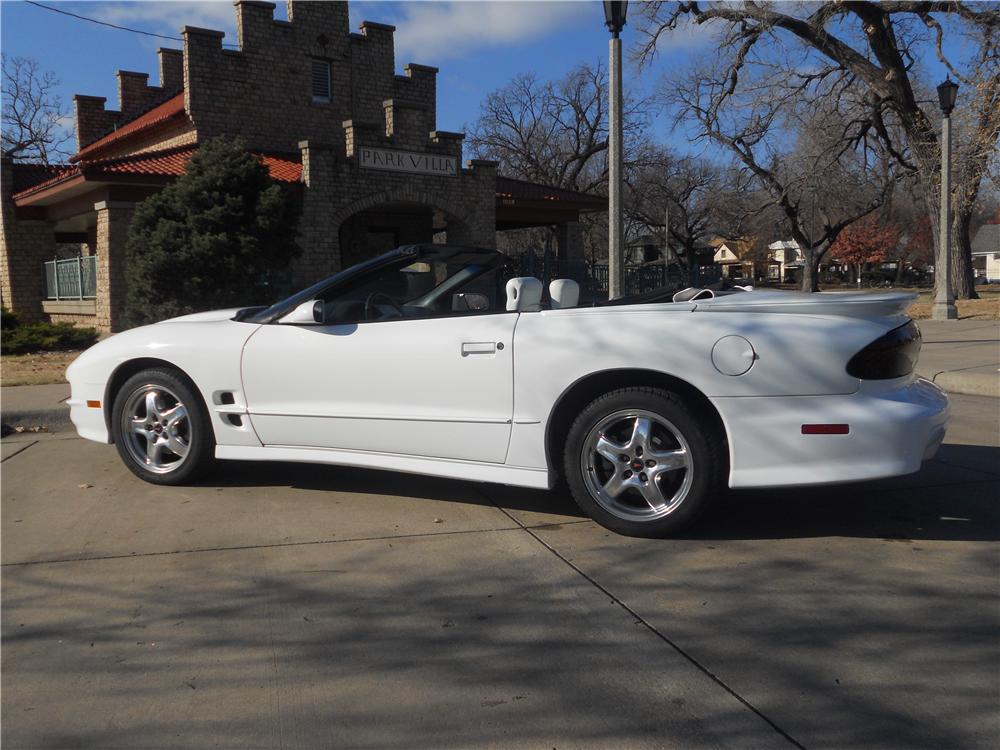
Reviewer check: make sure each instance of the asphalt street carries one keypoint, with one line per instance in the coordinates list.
(299, 606)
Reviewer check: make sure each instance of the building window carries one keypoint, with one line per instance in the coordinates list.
(321, 81)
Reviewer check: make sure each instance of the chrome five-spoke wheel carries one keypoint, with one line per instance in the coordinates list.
(156, 428)
(644, 461)
(639, 466)
(161, 427)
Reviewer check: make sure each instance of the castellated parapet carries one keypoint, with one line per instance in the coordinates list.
(264, 89)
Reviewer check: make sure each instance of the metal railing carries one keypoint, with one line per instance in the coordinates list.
(73, 278)
(593, 279)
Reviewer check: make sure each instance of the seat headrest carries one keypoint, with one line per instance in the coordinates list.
(564, 293)
(693, 294)
(524, 294)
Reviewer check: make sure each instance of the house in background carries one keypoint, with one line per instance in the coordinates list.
(647, 248)
(986, 252)
(787, 261)
(739, 258)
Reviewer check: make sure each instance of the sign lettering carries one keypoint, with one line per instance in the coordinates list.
(407, 161)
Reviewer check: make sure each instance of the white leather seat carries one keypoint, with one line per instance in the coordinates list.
(524, 294)
(564, 293)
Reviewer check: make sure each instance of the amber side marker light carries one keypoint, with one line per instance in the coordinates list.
(826, 429)
(94, 404)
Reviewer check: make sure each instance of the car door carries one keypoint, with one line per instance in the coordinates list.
(436, 387)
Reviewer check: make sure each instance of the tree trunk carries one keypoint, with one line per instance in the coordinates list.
(900, 265)
(963, 280)
(810, 272)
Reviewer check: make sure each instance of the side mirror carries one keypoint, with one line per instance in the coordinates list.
(308, 313)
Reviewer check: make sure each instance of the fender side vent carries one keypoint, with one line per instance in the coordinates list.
(227, 398)
(235, 420)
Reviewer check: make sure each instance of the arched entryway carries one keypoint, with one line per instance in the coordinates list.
(383, 222)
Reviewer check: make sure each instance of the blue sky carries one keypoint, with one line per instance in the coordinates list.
(479, 46)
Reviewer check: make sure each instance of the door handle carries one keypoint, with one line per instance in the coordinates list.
(478, 347)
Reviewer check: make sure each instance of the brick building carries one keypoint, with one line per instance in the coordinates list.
(322, 107)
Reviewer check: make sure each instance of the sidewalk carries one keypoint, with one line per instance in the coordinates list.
(961, 356)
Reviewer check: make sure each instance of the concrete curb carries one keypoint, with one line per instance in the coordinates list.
(54, 420)
(968, 383)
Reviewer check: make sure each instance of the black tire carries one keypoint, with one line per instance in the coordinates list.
(170, 388)
(679, 433)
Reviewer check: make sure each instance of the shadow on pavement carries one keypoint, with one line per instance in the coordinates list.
(949, 499)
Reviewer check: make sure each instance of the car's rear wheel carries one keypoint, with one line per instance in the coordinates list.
(641, 462)
(161, 428)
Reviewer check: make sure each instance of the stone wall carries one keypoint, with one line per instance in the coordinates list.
(24, 246)
(264, 90)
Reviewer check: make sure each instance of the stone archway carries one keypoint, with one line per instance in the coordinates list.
(385, 220)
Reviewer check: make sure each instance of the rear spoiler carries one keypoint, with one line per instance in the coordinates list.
(849, 304)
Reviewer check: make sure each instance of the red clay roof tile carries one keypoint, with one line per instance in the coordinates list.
(156, 164)
(171, 108)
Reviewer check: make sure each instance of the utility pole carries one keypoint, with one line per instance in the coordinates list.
(666, 240)
(614, 12)
(944, 300)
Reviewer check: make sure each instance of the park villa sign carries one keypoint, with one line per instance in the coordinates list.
(407, 161)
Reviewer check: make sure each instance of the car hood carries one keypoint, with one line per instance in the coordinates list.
(850, 304)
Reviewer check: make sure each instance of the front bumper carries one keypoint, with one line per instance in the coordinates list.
(88, 419)
(894, 427)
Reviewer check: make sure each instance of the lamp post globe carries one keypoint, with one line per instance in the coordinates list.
(947, 93)
(944, 300)
(614, 15)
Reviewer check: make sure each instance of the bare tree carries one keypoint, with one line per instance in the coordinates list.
(33, 113)
(664, 187)
(872, 48)
(555, 133)
(812, 162)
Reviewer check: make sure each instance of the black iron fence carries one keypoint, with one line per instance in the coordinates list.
(593, 278)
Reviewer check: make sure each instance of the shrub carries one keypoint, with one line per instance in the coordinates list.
(8, 319)
(209, 239)
(38, 337)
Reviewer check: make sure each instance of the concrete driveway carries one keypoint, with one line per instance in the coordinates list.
(303, 607)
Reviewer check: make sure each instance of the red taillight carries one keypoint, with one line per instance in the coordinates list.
(826, 429)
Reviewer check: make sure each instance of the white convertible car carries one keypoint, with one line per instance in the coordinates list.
(429, 360)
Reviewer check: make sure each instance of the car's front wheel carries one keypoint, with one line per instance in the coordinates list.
(641, 462)
(161, 428)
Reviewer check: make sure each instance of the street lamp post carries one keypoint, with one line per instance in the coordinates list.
(944, 300)
(614, 14)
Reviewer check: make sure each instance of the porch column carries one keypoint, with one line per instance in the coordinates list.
(113, 219)
(569, 238)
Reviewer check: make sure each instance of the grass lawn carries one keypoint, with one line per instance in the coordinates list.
(40, 368)
(985, 308)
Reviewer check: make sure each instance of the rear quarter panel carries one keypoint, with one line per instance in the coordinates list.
(796, 355)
